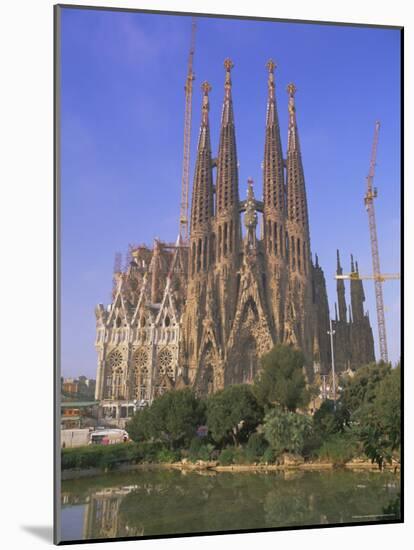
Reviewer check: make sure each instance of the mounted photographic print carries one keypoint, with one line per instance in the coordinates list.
(228, 322)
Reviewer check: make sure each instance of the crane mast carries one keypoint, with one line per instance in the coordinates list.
(370, 195)
(187, 138)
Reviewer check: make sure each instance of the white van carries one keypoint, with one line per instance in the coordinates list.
(108, 436)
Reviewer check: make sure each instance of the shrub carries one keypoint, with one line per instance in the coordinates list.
(200, 449)
(226, 456)
(269, 456)
(167, 455)
(329, 419)
(339, 449)
(102, 456)
(97, 456)
(286, 431)
(172, 418)
(311, 445)
(256, 446)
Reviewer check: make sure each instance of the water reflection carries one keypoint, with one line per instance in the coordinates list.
(171, 502)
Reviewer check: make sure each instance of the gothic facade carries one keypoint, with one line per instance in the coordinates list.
(202, 313)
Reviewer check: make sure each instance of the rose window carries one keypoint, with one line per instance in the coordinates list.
(141, 358)
(115, 359)
(165, 360)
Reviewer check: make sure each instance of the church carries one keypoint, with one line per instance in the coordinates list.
(201, 313)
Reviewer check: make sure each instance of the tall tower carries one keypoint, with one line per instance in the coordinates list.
(357, 294)
(228, 229)
(298, 316)
(342, 339)
(202, 199)
(274, 209)
(201, 243)
(340, 290)
(362, 341)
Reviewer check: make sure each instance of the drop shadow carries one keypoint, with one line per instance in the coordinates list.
(43, 532)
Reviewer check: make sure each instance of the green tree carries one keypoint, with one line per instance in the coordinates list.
(281, 380)
(286, 431)
(379, 421)
(362, 388)
(233, 414)
(172, 418)
(140, 427)
(329, 420)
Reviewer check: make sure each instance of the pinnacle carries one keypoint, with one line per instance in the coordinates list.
(271, 65)
(206, 87)
(291, 89)
(228, 64)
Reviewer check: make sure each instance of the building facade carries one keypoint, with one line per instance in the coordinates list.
(202, 313)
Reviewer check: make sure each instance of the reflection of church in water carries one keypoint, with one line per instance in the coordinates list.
(102, 518)
(202, 313)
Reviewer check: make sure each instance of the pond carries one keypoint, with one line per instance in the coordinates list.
(145, 503)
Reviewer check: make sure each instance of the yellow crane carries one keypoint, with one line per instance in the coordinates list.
(188, 88)
(376, 276)
(381, 277)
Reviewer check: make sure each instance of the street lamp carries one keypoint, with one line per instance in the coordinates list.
(331, 334)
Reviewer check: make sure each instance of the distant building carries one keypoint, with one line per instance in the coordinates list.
(78, 414)
(82, 387)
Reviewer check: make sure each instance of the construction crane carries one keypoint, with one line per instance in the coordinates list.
(370, 195)
(376, 276)
(382, 277)
(187, 138)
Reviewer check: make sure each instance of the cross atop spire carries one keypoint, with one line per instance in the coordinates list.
(228, 65)
(293, 139)
(291, 88)
(205, 86)
(271, 106)
(271, 65)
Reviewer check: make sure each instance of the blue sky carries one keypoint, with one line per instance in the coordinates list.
(122, 113)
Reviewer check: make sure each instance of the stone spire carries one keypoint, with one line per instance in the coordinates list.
(296, 193)
(227, 171)
(340, 289)
(357, 294)
(202, 200)
(273, 180)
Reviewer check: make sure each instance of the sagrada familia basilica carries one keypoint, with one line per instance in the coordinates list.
(201, 313)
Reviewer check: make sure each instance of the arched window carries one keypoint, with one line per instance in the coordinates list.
(212, 249)
(141, 373)
(193, 255)
(205, 253)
